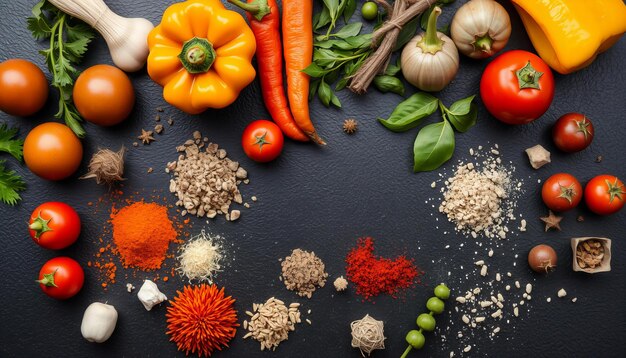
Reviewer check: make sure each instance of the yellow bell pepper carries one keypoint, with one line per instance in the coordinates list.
(201, 54)
(569, 34)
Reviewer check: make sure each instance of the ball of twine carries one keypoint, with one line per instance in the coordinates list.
(106, 166)
(367, 335)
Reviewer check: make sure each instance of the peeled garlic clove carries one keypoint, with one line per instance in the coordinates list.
(98, 322)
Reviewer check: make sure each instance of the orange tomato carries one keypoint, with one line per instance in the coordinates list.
(23, 86)
(52, 151)
(104, 95)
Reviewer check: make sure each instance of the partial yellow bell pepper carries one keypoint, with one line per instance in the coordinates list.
(201, 54)
(569, 34)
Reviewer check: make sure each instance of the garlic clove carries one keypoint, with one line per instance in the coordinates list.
(98, 322)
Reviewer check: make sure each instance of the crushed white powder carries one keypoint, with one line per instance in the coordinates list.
(200, 258)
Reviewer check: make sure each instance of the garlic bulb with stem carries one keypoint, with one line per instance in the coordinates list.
(430, 60)
(127, 38)
(480, 28)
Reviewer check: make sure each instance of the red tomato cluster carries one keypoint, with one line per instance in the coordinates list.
(604, 195)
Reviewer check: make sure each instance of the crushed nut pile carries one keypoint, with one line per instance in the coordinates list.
(206, 182)
(271, 322)
(481, 198)
(589, 254)
(303, 271)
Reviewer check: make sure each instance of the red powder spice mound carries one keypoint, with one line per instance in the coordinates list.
(374, 275)
(142, 233)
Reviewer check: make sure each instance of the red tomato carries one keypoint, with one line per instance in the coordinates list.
(104, 95)
(605, 194)
(517, 87)
(54, 225)
(23, 86)
(561, 192)
(262, 141)
(572, 132)
(61, 278)
(52, 151)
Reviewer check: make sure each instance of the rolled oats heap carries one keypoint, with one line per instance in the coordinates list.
(206, 181)
(303, 272)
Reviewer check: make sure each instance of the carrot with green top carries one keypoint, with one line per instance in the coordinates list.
(264, 19)
(298, 50)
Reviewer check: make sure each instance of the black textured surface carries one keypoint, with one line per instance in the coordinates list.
(323, 199)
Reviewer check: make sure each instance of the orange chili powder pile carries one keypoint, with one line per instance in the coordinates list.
(142, 233)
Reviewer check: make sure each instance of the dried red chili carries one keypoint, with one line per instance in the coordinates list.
(374, 275)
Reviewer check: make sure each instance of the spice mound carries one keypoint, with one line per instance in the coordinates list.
(201, 319)
(271, 322)
(481, 200)
(200, 258)
(206, 182)
(374, 275)
(303, 271)
(142, 233)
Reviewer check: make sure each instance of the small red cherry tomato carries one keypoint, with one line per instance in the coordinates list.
(54, 225)
(561, 192)
(61, 278)
(262, 141)
(605, 194)
(572, 132)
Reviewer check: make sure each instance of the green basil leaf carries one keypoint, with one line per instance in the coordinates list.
(335, 100)
(314, 70)
(434, 145)
(341, 84)
(323, 20)
(462, 114)
(392, 70)
(408, 113)
(331, 76)
(386, 84)
(324, 93)
(349, 9)
(313, 88)
(332, 6)
(349, 30)
(406, 34)
(360, 41)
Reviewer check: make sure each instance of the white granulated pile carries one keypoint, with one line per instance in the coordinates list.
(480, 197)
(200, 258)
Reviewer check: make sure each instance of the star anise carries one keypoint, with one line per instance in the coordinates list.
(146, 137)
(552, 221)
(350, 126)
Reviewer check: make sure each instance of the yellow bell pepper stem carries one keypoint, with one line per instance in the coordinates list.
(197, 55)
(569, 34)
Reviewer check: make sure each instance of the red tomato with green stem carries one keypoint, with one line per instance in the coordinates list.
(262, 141)
(605, 194)
(61, 278)
(561, 192)
(572, 132)
(517, 87)
(54, 225)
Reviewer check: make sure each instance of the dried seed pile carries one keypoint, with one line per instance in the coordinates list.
(206, 182)
(271, 322)
(589, 254)
(481, 198)
(303, 272)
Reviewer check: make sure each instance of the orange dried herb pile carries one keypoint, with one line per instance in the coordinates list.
(201, 319)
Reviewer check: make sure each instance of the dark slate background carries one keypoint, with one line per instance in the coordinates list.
(323, 199)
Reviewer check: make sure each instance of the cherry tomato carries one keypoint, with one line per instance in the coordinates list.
(52, 151)
(104, 95)
(61, 278)
(262, 141)
(517, 87)
(605, 194)
(561, 192)
(572, 132)
(54, 225)
(369, 10)
(23, 86)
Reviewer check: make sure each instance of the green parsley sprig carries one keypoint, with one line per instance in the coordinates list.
(68, 39)
(10, 182)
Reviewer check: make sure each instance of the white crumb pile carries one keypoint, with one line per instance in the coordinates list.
(481, 196)
(201, 257)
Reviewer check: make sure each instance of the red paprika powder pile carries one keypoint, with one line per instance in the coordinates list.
(142, 233)
(374, 275)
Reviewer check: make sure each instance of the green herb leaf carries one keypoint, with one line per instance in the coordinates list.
(313, 88)
(335, 100)
(434, 145)
(406, 34)
(392, 70)
(324, 93)
(10, 145)
(462, 114)
(323, 19)
(349, 9)
(409, 112)
(10, 184)
(314, 70)
(385, 83)
(349, 30)
(360, 41)
(341, 84)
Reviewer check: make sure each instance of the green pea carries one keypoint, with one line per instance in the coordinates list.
(442, 291)
(435, 305)
(369, 11)
(426, 322)
(416, 339)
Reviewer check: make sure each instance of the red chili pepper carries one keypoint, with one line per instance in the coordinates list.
(264, 20)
